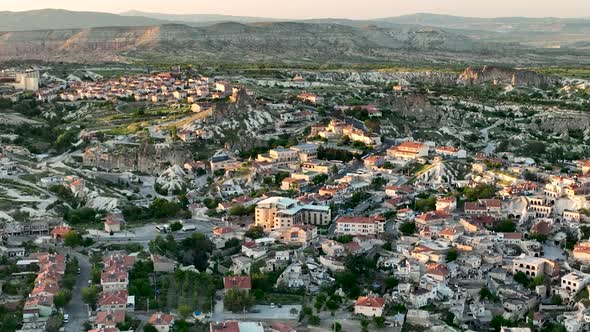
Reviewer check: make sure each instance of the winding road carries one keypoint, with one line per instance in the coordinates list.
(76, 308)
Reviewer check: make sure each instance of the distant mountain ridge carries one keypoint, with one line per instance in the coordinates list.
(55, 19)
(199, 18)
(90, 37)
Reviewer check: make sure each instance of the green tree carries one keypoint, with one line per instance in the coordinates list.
(72, 239)
(426, 204)
(485, 293)
(314, 320)
(236, 210)
(237, 300)
(149, 328)
(336, 327)
(255, 232)
(452, 255)
(481, 191)
(62, 298)
(379, 322)
(175, 226)
(505, 226)
(184, 311)
(521, 278)
(391, 282)
(498, 322)
(556, 299)
(408, 228)
(90, 294)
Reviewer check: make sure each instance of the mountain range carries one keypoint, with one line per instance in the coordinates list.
(91, 37)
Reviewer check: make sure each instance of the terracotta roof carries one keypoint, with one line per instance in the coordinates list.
(542, 227)
(161, 319)
(370, 301)
(240, 282)
(110, 318)
(474, 206)
(411, 145)
(512, 236)
(582, 248)
(450, 231)
(437, 269)
(114, 297)
(229, 326)
(113, 276)
(60, 231)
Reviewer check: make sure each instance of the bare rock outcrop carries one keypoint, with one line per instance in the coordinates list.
(504, 75)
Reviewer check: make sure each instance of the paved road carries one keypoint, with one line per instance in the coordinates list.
(264, 312)
(144, 234)
(77, 309)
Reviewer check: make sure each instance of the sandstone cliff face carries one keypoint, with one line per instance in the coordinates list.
(414, 106)
(501, 75)
(272, 42)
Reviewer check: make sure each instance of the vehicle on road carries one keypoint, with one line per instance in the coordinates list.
(189, 228)
(66, 318)
(163, 228)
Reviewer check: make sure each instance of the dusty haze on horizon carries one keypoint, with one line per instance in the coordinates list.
(299, 9)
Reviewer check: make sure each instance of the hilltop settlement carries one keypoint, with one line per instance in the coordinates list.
(202, 199)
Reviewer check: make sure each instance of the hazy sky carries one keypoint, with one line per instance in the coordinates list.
(321, 8)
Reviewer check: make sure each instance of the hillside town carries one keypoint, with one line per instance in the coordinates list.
(187, 201)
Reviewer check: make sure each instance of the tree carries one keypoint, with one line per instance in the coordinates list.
(505, 226)
(391, 282)
(53, 324)
(408, 228)
(538, 280)
(521, 278)
(62, 298)
(320, 179)
(236, 210)
(237, 300)
(72, 239)
(498, 322)
(184, 311)
(231, 243)
(255, 232)
(314, 320)
(387, 246)
(336, 327)
(485, 293)
(451, 255)
(556, 299)
(149, 328)
(481, 191)
(379, 322)
(364, 323)
(90, 294)
(378, 182)
(426, 204)
(344, 238)
(175, 226)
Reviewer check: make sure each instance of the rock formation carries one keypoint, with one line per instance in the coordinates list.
(505, 76)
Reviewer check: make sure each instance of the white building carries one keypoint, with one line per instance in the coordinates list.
(280, 212)
(360, 225)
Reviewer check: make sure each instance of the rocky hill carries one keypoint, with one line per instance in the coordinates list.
(503, 75)
(55, 19)
(233, 42)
